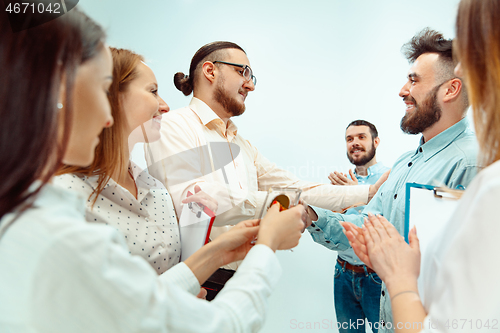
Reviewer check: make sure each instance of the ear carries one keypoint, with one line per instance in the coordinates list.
(453, 90)
(209, 71)
(376, 142)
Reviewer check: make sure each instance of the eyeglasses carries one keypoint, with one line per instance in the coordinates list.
(247, 71)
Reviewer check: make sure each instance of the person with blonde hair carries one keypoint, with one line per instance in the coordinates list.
(119, 193)
(62, 274)
(462, 293)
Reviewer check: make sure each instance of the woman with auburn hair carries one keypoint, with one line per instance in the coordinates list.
(62, 274)
(119, 193)
(462, 293)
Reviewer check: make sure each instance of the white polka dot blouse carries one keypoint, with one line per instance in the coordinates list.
(148, 223)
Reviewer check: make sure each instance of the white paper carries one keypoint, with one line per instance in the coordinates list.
(430, 214)
(194, 225)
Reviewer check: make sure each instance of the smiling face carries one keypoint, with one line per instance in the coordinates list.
(143, 106)
(360, 145)
(91, 111)
(231, 87)
(420, 95)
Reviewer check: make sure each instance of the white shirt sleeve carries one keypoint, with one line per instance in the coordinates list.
(87, 282)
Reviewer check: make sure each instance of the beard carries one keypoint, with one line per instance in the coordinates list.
(230, 104)
(423, 116)
(364, 159)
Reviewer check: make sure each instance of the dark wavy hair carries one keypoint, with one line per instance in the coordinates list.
(360, 122)
(431, 41)
(209, 52)
(34, 64)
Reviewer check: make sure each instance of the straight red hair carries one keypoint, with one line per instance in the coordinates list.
(478, 50)
(111, 152)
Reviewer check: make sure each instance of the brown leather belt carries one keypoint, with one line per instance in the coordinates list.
(354, 268)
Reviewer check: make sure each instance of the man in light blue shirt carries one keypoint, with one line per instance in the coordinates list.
(436, 106)
(356, 287)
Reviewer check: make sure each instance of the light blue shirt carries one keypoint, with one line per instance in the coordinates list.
(374, 173)
(450, 158)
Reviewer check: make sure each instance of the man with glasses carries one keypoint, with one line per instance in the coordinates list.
(436, 106)
(200, 144)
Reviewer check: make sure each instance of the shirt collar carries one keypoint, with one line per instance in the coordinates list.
(442, 140)
(371, 170)
(143, 180)
(209, 118)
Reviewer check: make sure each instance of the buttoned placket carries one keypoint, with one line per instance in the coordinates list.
(224, 132)
(235, 164)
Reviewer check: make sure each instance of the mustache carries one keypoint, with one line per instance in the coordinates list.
(357, 148)
(244, 92)
(409, 99)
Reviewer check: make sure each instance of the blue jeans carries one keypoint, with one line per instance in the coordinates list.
(356, 296)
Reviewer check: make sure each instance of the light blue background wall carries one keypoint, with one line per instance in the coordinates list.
(320, 65)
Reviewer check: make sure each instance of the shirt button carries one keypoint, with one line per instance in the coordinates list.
(317, 229)
(410, 164)
(420, 149)
(327, 241)
(312, 225)
(383, 293)
(395, 196)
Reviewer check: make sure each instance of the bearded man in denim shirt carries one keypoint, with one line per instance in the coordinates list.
(356, 287)
(436, 106)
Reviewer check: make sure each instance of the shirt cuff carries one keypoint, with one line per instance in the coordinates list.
(255, 260)
(183, 277)
(328, 231)
(365, 193)
(260, 198)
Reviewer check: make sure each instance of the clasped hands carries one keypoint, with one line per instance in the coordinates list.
(380, 246)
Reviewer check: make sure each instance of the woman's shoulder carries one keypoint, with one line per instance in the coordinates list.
(71, 180)
(144, 179)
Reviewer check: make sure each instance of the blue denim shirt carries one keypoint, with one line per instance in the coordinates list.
(374, 173)
(450, 158)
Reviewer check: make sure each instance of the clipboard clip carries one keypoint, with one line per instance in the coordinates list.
(196, 208)
(453, 194)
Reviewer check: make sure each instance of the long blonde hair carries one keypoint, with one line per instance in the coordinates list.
(111, 152)
(478, 50)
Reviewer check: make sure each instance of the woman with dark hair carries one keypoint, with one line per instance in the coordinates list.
(462, 293)
(61, 274)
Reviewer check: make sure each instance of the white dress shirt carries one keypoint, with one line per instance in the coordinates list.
(462, 292)
(197, 148)
(148, 223)
(61, 274)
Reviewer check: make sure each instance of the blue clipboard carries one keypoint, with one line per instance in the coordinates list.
(430, 208)
(407, 204)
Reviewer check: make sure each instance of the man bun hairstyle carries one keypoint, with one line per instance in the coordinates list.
(183, 83)
(209, 52)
